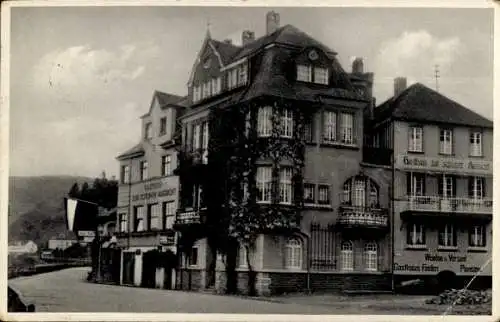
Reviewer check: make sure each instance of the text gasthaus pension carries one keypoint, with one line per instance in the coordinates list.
(444, 164)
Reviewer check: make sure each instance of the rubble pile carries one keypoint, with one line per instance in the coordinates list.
(461, 297)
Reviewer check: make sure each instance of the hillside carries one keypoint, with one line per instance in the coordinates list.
(36, 208)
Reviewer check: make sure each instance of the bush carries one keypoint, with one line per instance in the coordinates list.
(461, 297)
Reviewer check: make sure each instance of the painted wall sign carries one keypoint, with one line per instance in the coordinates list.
(426, 163)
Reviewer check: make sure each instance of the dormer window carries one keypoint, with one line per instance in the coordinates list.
(163, 126)
(196, 93)
(310, 74)
(148, 132)
(237, 76)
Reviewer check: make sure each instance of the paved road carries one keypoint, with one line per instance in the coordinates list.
(67, 291)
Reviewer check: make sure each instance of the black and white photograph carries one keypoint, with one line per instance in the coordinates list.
(240, 159)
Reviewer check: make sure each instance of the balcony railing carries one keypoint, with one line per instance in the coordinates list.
(190, 217)
(363, 217)
(440, 204)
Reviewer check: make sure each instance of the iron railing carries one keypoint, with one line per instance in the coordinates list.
(363, 216)
(441, 204)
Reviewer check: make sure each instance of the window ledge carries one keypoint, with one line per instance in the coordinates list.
(473, 249)
(416, 247)
(318, 206)
(476, 156)
(340, 145)
(415, 152)
(447, 248)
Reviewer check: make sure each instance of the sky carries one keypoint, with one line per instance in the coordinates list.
(81, 77)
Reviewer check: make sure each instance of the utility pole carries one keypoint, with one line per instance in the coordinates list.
(436, 76)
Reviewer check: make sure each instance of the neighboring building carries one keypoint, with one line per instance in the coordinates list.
(28, 247)
(443, 184)
(290, 89)
(147, 195)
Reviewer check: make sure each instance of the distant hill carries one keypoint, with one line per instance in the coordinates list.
(36, 208)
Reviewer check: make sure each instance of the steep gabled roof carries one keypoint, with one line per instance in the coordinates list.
(421, 104)
(225, 50)
(166, 99)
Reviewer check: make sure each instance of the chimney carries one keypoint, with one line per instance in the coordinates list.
(228, 41)
(247, 37)
(272, 22)
(399, 85)
(357, 66)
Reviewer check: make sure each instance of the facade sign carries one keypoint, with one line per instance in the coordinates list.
(86, 233)
(431, 264)
(154, 190)
(444, 164)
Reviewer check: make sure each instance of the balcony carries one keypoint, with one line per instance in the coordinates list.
(367, 217)
(191, 217)
(448, 205)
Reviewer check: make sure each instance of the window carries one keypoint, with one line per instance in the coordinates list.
(204, 142)
(373, 197)
(321, 75)
(154, 212)
(144, 170)
(475, 148)
(216, 85)
(196, 136)
(476, 187)
(416, 137)
(166, 165)
(196, 93)
(304, 73)
(168, 214)
(416, 235)
(346, 128)
(415, 184)
(346, 255)
(242, 74)
(330, 126)
(308, 131)
(125, 174)
(447, 186)
(445, 141)
(264, 182)
(293, 253)
(286, 185)
(323, 194)
(346, 192)
(359, 197)
(309, 193)
(140, 218)
(123, 222)
(148, 132)
(206, 90)
(264, 125)
(243, 256)
(447, 236)
(287, 124)
(193, 257)
(198, 201)
(371, 257)
(163, 126)
(477, 236)
(232, 78)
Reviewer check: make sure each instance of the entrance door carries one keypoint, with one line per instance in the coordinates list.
(128, 268)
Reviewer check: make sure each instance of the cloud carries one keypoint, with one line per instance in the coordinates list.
(414, 54)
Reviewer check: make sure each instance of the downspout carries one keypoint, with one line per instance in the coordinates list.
(392, 206)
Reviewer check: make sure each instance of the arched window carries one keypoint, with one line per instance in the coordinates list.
(371, 256)
(360, 191)
(347, 258)
(293, 253)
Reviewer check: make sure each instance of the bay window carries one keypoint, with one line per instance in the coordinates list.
(264, 182)
(264, 125)
(360, 191)
(330, 126)
(286, 185)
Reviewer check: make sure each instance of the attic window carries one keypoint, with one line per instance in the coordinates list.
(310, 74)
(148, 132)
(237, 76)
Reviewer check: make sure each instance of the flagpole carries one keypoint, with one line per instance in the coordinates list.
(92, 203)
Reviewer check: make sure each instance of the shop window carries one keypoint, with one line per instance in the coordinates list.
(415, 235)
(477, 236)
(447, 236)
(347, 257)
(293, 253)
(371, 256)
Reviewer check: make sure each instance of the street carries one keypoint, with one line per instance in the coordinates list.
(68, 291)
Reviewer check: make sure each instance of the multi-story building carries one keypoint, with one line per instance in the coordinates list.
(274, 131)
(147, 197)
(442, 179)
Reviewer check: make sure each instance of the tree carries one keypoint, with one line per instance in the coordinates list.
(74, 192)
